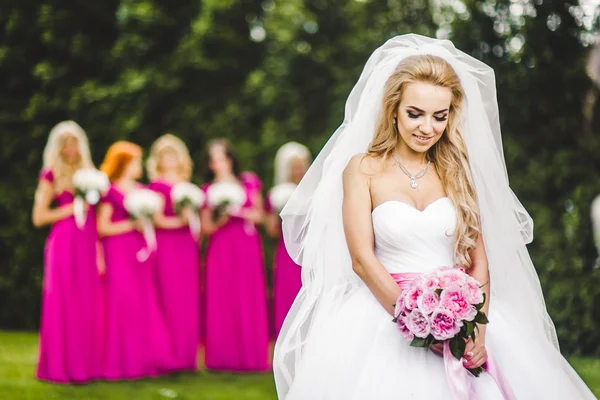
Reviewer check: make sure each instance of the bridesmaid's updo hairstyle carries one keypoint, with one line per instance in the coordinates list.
(449, 154)
(209, 175)
(117, 157)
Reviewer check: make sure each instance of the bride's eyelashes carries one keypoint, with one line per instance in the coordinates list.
(415, 116)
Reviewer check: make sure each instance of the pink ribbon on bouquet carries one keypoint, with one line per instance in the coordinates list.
(195, 226)
(150, 238)
(79, 211)
(456, 373)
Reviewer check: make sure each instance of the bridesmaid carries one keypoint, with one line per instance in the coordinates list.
(69, 341)
(137, 342)
(177, 257)
(291, 163)
(236, 305)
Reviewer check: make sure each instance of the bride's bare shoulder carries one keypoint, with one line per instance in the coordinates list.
(364, 164)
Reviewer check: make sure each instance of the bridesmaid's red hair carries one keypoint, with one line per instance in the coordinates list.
(117, 157)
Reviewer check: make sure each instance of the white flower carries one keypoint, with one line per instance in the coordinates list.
(142, 203)
(92, 197)
(226, 193)
(280, 195)
(187, 193)
(89, 183)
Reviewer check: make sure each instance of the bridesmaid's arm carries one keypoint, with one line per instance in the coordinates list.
(254, 214)
(42, 213)
(108, 228)
(358, 227)
(208, 225)
(273, 225)
(165, 222)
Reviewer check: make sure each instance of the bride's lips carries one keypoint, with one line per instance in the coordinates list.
(423, 139)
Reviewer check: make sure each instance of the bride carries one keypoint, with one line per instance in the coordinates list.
(413, 180)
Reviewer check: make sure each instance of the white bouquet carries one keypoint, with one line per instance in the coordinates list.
(89, 184)
(226, 196)
(280, 195)
(142, 204)
(185, 194)
(188, 195)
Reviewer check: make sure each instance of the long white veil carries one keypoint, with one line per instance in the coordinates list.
(312, 219)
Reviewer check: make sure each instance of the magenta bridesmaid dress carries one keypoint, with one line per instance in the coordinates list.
(286, 280)
(137, 339)
(70, 341)
(177, 270)
(236, 295)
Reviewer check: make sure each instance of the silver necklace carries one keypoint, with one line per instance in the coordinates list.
(413, 178)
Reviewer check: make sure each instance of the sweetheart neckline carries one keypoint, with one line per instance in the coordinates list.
(410, 206)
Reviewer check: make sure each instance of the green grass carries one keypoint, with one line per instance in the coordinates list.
(18, 355)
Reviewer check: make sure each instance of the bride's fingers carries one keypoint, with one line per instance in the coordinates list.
(477, 360)
(437, 349)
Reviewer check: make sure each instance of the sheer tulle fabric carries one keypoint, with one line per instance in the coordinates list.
(314, 235)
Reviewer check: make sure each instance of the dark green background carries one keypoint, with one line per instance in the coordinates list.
(136, 69)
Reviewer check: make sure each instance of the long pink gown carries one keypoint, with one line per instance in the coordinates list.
(177, 269)
(137, 338)
(70, 341)
(236, 302)
(286, 280)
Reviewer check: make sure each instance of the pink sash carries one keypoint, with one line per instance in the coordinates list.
(456, 373)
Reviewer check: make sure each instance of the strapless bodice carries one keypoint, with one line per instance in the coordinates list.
(410, 240)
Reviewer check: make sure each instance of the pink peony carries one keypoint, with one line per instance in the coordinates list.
(454, 301)
(428, 302)
(404, 331)
(400, 309)
(473, 292)
(431, 282)
(450, 277)
(418, 324)
(411, 296)
(443, 325)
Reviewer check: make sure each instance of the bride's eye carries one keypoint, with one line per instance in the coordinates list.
(412, 115)
(441, 119)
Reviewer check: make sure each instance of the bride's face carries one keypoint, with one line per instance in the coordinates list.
(422, 115)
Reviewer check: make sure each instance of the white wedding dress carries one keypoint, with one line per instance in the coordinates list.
(359, 353)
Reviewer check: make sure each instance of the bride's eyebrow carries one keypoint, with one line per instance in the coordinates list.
(421, 111)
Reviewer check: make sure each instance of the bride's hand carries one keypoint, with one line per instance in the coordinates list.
(475, 354)
(437, 349)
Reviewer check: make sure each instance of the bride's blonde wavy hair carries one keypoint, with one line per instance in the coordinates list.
(449, 154)
(62, 171)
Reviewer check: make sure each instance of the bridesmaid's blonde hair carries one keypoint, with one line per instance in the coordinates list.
(449, 154)
(168, 142)
(53, 161)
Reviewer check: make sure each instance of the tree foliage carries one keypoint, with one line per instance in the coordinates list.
(265, 72)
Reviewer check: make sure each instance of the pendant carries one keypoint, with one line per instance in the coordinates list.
(413, 183)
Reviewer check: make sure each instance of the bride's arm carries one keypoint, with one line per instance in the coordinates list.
(475, 353)
(359, 234)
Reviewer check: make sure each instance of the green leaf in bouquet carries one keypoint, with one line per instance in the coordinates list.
(438, 291)
(469, 328)
(219, 210)
(480, 305)
(457, 347)
(79, 193)
(476, 371)
(481, 318)
(418, 342)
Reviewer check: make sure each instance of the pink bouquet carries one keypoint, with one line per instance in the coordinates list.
(444, 305)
